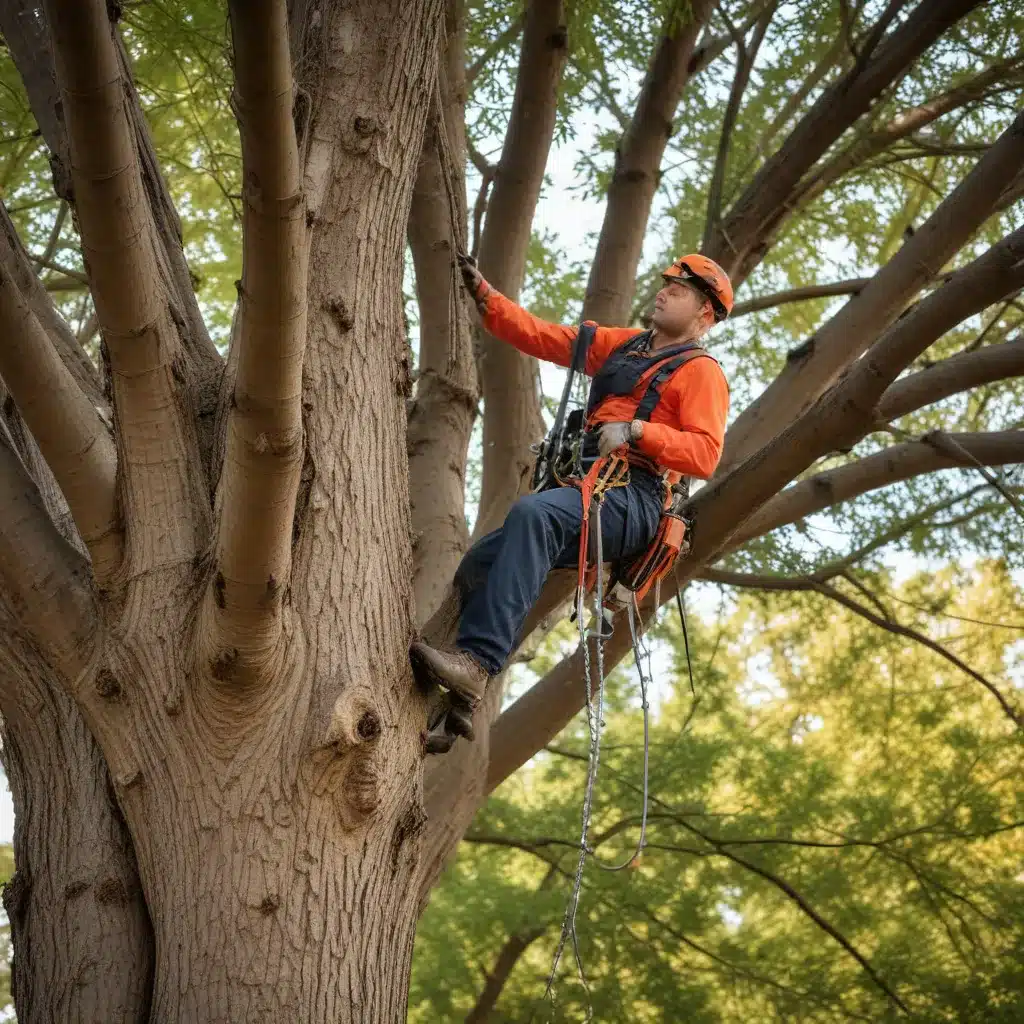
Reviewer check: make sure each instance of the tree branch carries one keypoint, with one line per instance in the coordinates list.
(889, 466)
(442, 413)
(736, 244)
(512, 420)
(912, 634)
(951, 376)
(25, 31)
(745, 59)
(637, 166)
(160, 484)
(853, 329)
(72, 437)
(853, 286)
(16, 263)
(44, 577)
(500, 42)
(263, 458)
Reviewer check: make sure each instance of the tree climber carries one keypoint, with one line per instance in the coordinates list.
(651, 399)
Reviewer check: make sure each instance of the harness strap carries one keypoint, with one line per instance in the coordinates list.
(662, 372)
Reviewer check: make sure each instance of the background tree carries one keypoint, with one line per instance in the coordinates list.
(212, 566)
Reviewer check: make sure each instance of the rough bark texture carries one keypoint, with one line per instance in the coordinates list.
(443, 411)
(508, 379)
(275, 820)
(82, 941)
(199, 843)
(637, 167)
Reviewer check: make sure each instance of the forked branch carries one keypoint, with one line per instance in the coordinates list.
(264, 432)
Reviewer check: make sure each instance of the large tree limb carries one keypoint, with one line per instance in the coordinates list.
(637, 166)
(889, 466)
(856, 326)
(532, 721)
(45, 579)
(736, 242)
(16, 263)
(160, 480)
(952, 376)
(443, 411)
(263, 459)
(72, 437)
(512, 420)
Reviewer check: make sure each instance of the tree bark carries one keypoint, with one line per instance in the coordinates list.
(83, 947)
(508, 379)
(637, 167)
(443, 410)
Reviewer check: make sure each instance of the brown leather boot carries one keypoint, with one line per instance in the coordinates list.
(454, 670)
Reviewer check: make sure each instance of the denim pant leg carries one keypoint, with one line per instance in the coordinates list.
(537, 530)
(502, 575)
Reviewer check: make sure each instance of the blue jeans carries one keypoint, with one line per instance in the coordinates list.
(502, 574)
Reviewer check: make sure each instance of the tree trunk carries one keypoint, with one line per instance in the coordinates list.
(83, 948)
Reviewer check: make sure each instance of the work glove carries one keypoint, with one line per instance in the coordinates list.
(613, 435)
(472, 279)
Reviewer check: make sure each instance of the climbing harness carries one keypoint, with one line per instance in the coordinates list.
(560, 454)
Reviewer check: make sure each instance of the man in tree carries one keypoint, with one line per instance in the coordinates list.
(653, 397)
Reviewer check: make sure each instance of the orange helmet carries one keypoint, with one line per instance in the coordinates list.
(707, 277)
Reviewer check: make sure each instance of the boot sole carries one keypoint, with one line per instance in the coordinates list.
(425, 673)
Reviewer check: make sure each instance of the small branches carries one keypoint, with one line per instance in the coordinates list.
(883, 621)
(859, 323)
(264, 432)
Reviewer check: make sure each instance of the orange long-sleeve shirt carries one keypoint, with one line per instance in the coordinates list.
(686, 428)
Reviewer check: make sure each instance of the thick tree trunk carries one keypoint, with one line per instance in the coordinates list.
(83, 948)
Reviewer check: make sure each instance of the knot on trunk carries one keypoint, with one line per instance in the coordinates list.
(355, 721)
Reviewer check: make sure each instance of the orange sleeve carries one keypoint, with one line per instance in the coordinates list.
(508, 321)
(687, 427)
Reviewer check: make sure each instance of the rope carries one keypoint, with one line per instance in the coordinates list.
(595, 721)
(633, 612)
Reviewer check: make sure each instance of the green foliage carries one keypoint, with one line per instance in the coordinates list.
(6, 1000)
(825, 771)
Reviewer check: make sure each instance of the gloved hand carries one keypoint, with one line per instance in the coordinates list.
(611, 436)
(471, 276)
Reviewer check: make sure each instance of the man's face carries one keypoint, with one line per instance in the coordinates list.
(680, 309)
